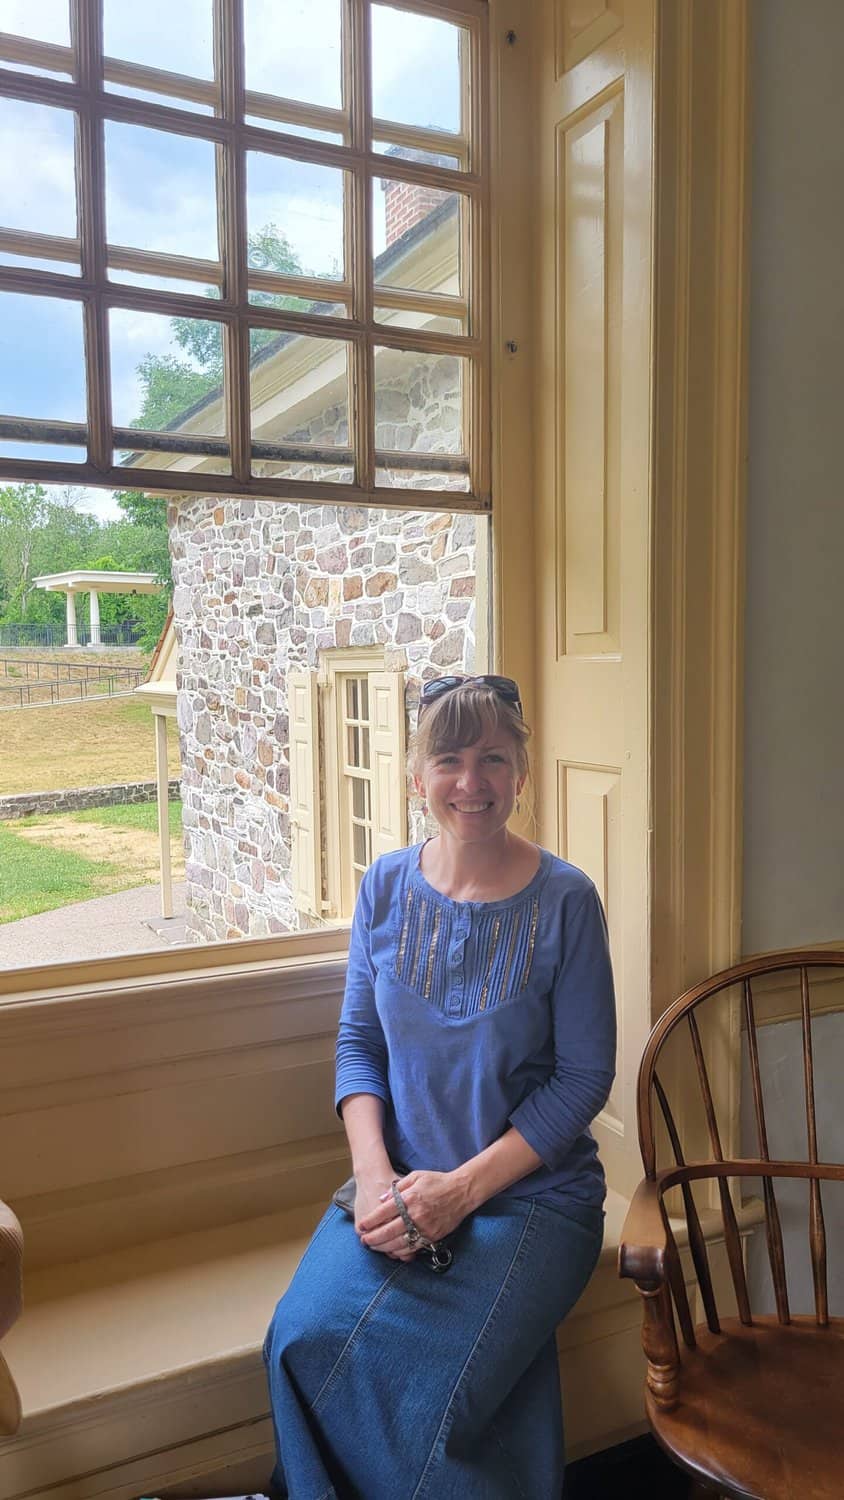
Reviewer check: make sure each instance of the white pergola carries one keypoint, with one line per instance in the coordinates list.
(94, 582)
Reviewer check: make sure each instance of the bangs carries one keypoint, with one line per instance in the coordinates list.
(462, 717)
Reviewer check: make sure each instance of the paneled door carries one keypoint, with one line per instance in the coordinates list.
(595, 159)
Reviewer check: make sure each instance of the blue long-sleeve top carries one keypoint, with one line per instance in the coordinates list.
(466, 1017)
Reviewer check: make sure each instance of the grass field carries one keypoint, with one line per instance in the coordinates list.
(81, 744)
(52, 861)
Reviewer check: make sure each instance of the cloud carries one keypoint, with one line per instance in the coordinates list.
(99, 503)
(37, 172)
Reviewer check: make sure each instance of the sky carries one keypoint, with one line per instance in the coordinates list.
(160, 186)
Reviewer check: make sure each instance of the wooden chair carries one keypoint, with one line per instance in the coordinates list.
(750, 1406)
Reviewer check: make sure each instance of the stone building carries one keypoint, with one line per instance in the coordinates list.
(304, 630)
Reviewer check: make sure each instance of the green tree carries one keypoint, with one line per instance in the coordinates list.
(40, 532)
(171, 385)
(140, 539)
(22, 511)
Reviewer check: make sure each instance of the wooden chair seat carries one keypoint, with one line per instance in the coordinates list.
(766, 1400)
(752, 1406)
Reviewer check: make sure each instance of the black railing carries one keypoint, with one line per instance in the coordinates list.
(46, 637)
(62, 681)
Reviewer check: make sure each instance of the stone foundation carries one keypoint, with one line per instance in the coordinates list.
(78, 799)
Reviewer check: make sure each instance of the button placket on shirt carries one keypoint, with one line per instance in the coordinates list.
(456, 966)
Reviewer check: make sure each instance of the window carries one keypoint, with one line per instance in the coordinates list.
(264, 280)
(365, 779)
(250, 216)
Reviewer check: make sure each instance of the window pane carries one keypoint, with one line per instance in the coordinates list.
(364, 697)
(149, 96)
(39, 180)
(351, 697)
(167, 378)
(353, 752)
(364, 749)
(416, 235)
(415, 69)
(419, 409)
(299, 389)
(48, 21)
(42, 371)
(293, 49)
(359, 790)
(286, 300)
(399, 317)
(147, 34)
(160, 191)
(433, 158)
(361, 843)
(308, 132)
(295, 215)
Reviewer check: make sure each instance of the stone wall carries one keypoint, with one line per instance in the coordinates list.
(77, 799)
(265, 586)
(261, 587)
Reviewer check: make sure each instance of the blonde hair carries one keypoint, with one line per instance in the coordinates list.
(460, 718)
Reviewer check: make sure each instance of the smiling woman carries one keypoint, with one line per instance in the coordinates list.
(476, 1044)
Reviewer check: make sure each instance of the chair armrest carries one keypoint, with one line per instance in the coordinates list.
(643, 1246)
(11, 1269)
(11, 1306)
(642, 1256)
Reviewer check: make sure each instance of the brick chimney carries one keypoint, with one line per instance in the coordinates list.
(407, 203)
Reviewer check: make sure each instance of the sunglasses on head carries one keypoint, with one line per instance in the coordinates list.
(504, 687)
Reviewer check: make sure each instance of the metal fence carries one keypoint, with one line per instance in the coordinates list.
(45, 637)
(62, 681)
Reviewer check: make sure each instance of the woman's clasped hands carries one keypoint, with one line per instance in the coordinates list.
(436, 1202)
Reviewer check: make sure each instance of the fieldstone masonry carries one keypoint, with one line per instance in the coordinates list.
(77, 799)
(261, 587)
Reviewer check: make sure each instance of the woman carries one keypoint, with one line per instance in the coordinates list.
(476, 1044)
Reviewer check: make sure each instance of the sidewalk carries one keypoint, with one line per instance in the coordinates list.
(128, 922)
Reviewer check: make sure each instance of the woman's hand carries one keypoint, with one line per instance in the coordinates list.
(436, 1201)
(369, 1187)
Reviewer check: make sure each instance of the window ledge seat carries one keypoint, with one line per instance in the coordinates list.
(141, 1368)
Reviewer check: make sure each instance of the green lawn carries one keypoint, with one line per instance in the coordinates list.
(34, 878)
(37, 876)
(135, 815)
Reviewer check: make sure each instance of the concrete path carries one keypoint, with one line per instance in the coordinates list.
(128, 922)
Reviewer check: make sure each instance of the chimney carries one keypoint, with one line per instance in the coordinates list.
(406, 204)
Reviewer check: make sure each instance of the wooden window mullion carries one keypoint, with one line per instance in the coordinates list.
(358, 32)
(478, 401)
(87, 38)
(234, 239)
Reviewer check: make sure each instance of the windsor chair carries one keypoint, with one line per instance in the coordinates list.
(750, 1405)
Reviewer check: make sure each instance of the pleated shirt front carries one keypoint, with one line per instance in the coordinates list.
(466, 1017)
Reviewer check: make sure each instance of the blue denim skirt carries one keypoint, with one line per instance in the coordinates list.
(390, 1382)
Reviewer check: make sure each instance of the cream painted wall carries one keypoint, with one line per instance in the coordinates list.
(794, 735)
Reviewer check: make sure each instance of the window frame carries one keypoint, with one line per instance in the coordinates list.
(92, 105)
(335, 668)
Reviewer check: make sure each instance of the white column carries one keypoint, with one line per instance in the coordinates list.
(72, 639)
(163, 795)
(95, 618)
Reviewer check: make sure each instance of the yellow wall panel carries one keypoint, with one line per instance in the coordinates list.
(583, 25)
